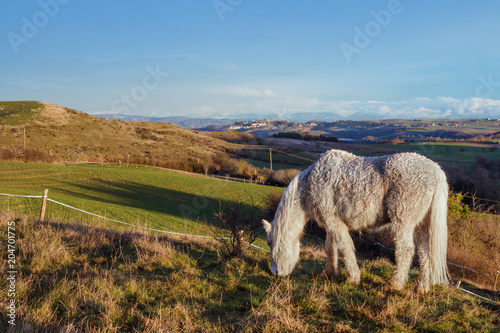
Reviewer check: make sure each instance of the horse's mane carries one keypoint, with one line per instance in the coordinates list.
(290, 201)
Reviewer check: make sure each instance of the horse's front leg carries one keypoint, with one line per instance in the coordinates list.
(332, 257)
(345, 246)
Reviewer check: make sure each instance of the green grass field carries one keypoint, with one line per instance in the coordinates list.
(19, 112)
(143, 196)
(450, 153)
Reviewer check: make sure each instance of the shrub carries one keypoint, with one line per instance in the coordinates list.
(456, 208)
(237, 226)
(282, 177)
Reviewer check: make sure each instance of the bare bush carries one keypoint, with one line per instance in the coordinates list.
(282, 177)
(237, 226)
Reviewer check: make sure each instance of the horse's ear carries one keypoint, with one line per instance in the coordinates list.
(267, 226)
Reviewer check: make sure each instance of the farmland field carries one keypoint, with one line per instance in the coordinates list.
(144, 196)
(449, 152)
(454, 153)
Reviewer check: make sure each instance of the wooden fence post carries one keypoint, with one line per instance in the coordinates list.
(44, 205)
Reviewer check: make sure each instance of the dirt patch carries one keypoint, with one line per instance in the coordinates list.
(56, 113)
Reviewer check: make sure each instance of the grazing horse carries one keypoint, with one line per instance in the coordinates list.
(341, 192)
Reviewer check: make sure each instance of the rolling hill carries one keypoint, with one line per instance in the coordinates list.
(69, 135)
(377, 130)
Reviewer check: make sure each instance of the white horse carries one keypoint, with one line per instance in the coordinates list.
(343, 192)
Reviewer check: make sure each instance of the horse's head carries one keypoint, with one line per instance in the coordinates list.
(284, 254)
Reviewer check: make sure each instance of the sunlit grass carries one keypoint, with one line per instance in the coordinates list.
(78, 278)
(142, 196)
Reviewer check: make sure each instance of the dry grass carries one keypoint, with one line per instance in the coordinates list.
(70, 135)
(74, 278)
(475, 243)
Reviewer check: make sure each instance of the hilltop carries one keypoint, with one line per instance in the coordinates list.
(64, 134)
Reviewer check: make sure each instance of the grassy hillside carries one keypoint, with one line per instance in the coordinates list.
(139, 195)
(70, 135)
(75, 278)
(20, 113)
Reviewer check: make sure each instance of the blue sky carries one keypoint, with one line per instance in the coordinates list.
(235, 58)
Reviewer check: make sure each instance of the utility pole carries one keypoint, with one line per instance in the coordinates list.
(271, 157)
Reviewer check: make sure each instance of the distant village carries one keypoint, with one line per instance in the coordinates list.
(419, 123)
(373, 130)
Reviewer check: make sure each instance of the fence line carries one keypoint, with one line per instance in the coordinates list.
(132, 225)
(448, 262)
(482, 297)
(183, 234)
(22, 196)
(476, 198)
(147, 228)
(125, 223)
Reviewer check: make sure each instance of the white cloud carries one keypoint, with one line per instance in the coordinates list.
(258, 102)
(240, 91)
(269, 93)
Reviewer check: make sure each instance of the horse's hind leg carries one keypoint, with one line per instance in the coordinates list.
(405, 249)
(332, 256)
(423, 248)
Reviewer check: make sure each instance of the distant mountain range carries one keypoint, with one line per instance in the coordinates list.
(214, 124)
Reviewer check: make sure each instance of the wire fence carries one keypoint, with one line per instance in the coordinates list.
(121, 222)
(481, 199)
(214, 237)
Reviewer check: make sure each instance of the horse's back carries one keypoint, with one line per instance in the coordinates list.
(412, 183)
(365, 192)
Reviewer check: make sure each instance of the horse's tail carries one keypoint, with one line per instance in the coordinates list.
(438, 231)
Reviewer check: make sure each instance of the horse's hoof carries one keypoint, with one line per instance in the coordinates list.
(328, 274)
(354, 280)
(394, 285)
(420, 289)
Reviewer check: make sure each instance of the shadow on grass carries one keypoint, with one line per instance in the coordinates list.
(154, 198)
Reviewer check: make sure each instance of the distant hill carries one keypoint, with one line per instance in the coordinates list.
(70, 135)
(186, 122)
(375, 130)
